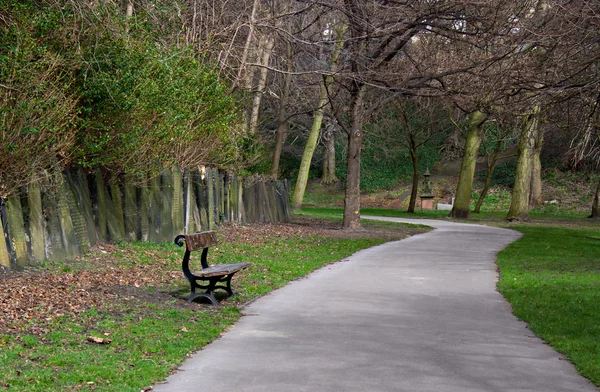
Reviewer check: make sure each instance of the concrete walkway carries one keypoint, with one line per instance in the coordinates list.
(420, 314)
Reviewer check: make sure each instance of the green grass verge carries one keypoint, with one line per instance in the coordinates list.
(336, 213)
(149, 338)
(551, 277)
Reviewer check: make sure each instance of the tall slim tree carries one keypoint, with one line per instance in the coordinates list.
(281, 132)
(462, 201)
(311, 143)
(328, 136)
(519, 205)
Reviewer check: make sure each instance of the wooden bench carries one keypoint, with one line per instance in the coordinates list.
(214, 275)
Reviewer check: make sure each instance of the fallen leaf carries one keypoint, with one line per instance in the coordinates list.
(93, 339)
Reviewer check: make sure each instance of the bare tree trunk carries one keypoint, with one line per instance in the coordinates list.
(535, 196)
(328, 176)
(309, 150)
(355, 139)
(311, 143)
(490, 173)
(415, 178)
(128, 14)
(242, 70)
(519, 205)
(262, 81)
(281, 115)
(462, 200)
(595, 213)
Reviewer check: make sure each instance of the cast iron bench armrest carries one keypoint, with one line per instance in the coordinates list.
(221, 273)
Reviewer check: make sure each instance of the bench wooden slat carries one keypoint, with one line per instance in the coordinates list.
(200, 240)
(221, 269)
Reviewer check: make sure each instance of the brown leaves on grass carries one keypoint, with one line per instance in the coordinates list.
(30, 300)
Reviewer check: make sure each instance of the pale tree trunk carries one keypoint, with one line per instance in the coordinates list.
(462, 200)
(128, 14)
(490, 173)
(313, 137)
(595, 213)
(281, 115)
(242, 73)
(519, 205)
(535, 196)
(415, 177)
(262, 81)
(328, 176)
(355, 139)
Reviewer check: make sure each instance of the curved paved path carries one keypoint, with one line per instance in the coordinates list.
(421, 314)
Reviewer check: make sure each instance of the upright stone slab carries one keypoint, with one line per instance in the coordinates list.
(55, 248)
(4, 255)
(155, 211)
(282, 197)
(110, 226)
(221, 214)
(145, 201)
(201, 198)
(210, 190)
(77, 214)
(241, 207)
(177, 206)
(117, 208)
(36, 222)
(166, 210)
(227, 196)
(16, 230)
(250, 201)
(265, 213)
(130, 210)
(67, 229)
(79, 185)
(100, 207)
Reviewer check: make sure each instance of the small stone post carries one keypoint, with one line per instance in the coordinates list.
(426, 193)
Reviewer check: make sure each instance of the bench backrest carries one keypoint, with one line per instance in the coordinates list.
(200, 240)
(196, 241)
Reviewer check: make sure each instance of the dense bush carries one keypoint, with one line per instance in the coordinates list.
(38, 105)
(147, 107)
(82, 83)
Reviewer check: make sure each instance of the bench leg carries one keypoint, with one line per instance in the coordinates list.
(227, 284)
(208, 294)
(228, 288)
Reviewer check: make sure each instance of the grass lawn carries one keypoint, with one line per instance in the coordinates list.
(132, 296)
(551, 277)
